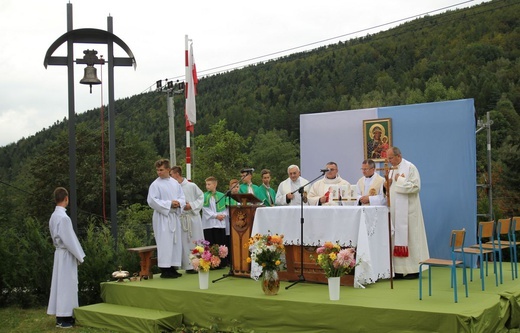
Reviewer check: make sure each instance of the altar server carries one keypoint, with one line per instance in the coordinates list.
(191, 222)
(166, 198)
(214, 215)
(265, 191)
(68, 255)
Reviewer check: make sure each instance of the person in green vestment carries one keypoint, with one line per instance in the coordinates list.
(214, 215)
(234, 186)
(265, 192)
(247, 185)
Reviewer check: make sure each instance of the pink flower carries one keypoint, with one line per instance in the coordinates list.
(195, 263)
(215, 261)
(320, 250)
(206, 256)
(222, 251)
(346, 257)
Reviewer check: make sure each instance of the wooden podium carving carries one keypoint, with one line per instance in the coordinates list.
(241, 219)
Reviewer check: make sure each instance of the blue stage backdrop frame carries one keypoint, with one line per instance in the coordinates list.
(439, 138)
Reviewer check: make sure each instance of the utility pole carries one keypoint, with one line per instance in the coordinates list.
(171, 89)
(487, 125)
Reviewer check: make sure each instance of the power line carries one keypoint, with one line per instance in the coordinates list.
(50, 201)
(307, 45)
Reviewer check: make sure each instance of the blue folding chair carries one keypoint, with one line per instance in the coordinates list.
(457, 246)
(486, 230)
(504, 240)
(515, 226)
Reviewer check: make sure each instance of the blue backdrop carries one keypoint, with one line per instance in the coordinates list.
(439, 138)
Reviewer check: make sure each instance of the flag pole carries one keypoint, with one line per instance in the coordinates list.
(190, 90)
(187, 88)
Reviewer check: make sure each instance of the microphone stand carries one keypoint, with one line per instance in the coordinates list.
(301, 277)
(230, 252)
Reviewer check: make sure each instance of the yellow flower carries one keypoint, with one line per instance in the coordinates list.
(332, 256)
(278, 262)
(248, 260)
(205, 265)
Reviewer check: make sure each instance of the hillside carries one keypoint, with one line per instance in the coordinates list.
(468, 53)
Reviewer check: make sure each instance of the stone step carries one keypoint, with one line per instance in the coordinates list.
(124, 318)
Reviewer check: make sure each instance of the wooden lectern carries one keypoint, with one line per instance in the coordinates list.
(241, 219)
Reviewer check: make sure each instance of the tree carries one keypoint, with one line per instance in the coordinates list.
(221, 153)
(49, 169)
(274, 151)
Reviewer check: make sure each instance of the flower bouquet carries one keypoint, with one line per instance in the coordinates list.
(205, 256)
(266, 252)
(334, 260)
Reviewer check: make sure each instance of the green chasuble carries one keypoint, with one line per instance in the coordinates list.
(256, 191)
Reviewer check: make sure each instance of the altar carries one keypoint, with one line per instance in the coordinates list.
(364, 227)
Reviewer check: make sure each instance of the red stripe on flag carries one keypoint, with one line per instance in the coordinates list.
(195, 78)
(189, 126)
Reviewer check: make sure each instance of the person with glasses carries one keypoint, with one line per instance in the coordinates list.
(320, 192)
(410, 243)
(370, 187)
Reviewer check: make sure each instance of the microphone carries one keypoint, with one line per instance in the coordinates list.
(325, 170)
(247, 170)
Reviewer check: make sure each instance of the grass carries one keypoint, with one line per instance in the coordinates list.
(17, 320)
(36, 320)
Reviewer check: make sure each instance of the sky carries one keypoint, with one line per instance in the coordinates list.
(225, 35)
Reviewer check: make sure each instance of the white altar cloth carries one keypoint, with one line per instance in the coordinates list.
(365, 227)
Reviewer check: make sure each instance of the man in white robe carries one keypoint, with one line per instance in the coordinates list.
(191, 222)
(319, 193)
(68, 254)
(410, 243)
(167, 200)
(286, 194)
(370, 187)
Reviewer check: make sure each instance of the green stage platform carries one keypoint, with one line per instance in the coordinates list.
(239, 303)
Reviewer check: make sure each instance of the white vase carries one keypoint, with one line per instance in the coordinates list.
(203, 280)
(334, 288)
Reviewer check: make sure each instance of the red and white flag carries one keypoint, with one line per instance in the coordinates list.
(190, 89)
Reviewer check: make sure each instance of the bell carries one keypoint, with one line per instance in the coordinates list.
(90, 77)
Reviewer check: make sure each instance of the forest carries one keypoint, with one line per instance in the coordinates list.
(250, 117)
